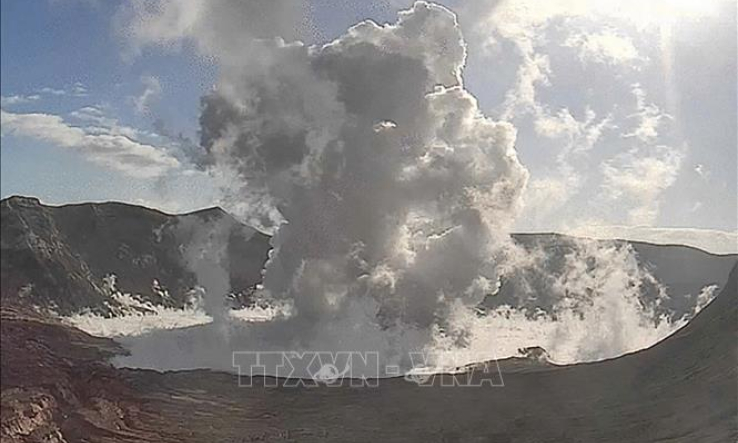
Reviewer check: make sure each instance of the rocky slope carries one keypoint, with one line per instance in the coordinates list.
(61, 258)
(56, 386)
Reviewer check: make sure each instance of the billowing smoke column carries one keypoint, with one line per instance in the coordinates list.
(392, 195)
(395, 191)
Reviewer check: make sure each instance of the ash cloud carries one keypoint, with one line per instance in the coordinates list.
(395, 191)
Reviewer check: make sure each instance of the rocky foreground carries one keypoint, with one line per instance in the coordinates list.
(57, 387)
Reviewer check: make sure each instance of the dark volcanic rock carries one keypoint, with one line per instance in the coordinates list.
(58, 257)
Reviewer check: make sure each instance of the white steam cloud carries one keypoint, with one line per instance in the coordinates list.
(409, 215)
(393, 195)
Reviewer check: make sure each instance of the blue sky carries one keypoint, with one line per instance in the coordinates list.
(60, 45)
(624, 117)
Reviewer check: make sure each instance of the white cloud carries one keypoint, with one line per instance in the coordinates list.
(648, 116)
(637, 180)
(563, 56)
(104, 147)
(152, 90)
(581, 135)
(534, 29)
(79, 89)
(527, 25)
(218, 28)
(89, 114)
(52, 91)
(638, 177)
(519, 19)
(545, 195)
(98, 122)
(12, 100)
(605, 47)
(75, 90)
(532, 72)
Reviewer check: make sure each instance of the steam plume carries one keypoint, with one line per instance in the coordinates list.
(393, 196)
(396, 192)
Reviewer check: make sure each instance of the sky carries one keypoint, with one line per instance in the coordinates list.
(625, 116)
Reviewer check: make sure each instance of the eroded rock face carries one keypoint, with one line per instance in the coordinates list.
(57, 385)
(61, 258)
(28, 416)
